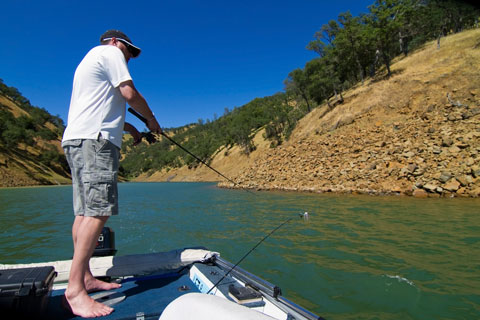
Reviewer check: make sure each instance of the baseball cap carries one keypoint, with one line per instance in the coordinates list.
(109, 34)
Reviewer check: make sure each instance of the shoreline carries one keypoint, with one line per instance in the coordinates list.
(417, 193)
(336, 190)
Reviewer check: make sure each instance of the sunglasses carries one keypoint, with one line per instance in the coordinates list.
(129, 47)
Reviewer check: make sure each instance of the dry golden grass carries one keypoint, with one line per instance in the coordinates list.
(229, 162)
(18, 168)
(419, 80)
(13, 108)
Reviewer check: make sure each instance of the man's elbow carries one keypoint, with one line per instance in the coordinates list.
(131, 96)
(129, 92)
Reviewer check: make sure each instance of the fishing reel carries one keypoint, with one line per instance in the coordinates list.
(149, 137)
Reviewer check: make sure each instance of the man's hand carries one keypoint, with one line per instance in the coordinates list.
(153, 125)
(136, 138)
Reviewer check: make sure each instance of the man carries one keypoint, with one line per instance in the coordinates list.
(92, 141)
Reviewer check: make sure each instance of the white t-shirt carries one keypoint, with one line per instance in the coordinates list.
(96, 105)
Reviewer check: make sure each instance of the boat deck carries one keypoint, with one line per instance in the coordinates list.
(180, 283)
(145, 297)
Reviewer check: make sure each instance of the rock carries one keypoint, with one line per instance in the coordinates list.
(465, 180)
(409, 154)
(418, 172)
(404, 171)
(475, 171)
(452, 117)
(420, 193)
(445, 176)
(452, 185)
(412, 167)
(474, 192)
(469, 161)
(462, 192)
(401, 189)
(447, 142)
(454, 149)
(466, 115)
(430, 187)
(470, 113)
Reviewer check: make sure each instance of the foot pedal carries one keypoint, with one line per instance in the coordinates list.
(109, 298)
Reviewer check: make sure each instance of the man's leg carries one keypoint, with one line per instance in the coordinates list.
(94, 166)
(91, 283)
(85, 232)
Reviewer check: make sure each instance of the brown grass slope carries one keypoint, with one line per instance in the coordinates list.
(19, 167)
(415, 133)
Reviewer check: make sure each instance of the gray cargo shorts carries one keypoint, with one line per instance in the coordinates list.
(94, 167)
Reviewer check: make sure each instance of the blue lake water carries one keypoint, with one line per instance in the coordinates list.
(358, 257)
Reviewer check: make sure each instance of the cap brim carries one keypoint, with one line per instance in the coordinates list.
(134, 50)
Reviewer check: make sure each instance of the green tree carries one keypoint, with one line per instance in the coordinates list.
(354, 46)
(297, 82)
(386, 21)
(324, 38)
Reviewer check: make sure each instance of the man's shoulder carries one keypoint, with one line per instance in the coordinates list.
(104, 50)
(103, 55)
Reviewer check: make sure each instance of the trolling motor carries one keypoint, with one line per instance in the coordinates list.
(105, 243)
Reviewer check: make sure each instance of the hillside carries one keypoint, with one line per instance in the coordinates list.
(416, 132)
(36, 159)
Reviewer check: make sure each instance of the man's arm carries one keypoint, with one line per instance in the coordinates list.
(138, 102)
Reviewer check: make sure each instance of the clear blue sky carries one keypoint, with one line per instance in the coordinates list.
(198, 58)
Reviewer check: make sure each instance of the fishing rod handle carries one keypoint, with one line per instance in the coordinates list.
(138, 115)
(144, 120)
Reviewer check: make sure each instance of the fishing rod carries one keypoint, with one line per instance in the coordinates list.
(149, 139)
(304, 216)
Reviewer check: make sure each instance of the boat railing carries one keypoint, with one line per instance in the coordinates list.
(271, 292)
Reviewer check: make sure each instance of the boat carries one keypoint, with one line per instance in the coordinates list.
(186, 283)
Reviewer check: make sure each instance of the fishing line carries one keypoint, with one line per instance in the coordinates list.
(302, 215)
(139, 116)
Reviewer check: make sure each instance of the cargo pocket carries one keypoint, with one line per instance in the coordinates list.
(101, 193)
(72, 143)
(73, 153)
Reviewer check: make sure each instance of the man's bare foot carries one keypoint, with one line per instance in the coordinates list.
(92, 284)
(84, 306)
